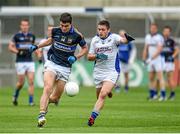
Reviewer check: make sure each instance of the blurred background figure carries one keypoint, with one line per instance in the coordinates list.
(25, 66)
(170, 52)
(152, 58)
(45, 50)
(124, 55)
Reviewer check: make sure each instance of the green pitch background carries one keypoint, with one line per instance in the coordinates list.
(125, 112)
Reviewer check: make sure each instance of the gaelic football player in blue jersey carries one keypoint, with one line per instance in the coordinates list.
(19, 45)
(57, 68)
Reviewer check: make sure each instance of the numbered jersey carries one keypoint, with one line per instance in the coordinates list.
(23, 41)
(107, 46)
(64, 45)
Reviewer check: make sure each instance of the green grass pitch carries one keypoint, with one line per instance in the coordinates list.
(125, 112)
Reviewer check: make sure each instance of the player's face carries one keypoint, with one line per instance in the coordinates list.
(166, 32)
(102, 31)
(153, 29)
(65, 27)
(24, 26)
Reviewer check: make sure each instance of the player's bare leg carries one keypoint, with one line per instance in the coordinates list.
(19, 86)
(98, 92)
(126, 74)
(162, 86)
(30, 77)
(57, 92)
(49, 80)
(105, 90)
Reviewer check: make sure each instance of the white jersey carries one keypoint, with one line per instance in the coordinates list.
(108, 47)
(45, 50)
(153, 41)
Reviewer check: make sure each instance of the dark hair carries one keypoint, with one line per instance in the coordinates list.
(26, 20)
(167, 27)
(66, 18)
(104, 22)
(154, 24)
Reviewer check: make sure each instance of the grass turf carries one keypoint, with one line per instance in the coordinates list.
(125, 112)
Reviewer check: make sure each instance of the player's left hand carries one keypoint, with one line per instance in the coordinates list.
(72, 59)
(32, 48)
(129, 37)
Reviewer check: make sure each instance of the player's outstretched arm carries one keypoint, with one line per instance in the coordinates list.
(43, 44)
(82, 52)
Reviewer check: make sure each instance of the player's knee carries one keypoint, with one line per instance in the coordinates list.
(20, 84)
(103, 94)
(31, 83)
(53, 99)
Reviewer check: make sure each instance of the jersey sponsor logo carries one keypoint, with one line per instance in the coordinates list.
(167, 49)
(23, 46)
(64, 47)
(103, 49)
(21, 38)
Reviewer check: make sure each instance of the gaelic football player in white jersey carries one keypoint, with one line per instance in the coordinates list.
(103, 50)
(152, 57)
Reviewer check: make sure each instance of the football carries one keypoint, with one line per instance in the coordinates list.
(71, 89)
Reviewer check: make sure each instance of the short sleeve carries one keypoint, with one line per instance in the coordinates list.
(53, 32)
(117, 39)
(13, 39)
(146, 40)
(34, 39)
(92, 48)
(81, 41)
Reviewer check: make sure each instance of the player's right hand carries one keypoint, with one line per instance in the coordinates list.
(32, 48)
(101, 56)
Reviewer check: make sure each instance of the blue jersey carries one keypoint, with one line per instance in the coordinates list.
(64, 45)
(124, 51)
(23, 42)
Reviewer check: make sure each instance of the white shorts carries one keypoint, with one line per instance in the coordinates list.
(169, 66)
(124, 67)
(99, 78)
(156, 65)
(23, 67)
(62, 73)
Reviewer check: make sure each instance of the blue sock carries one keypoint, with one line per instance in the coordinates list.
(172, 93)
(151, 93)
(94, 114)
(30, 99)
(126, 87)
(163, 93)
(16, 93)
(155, 92)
